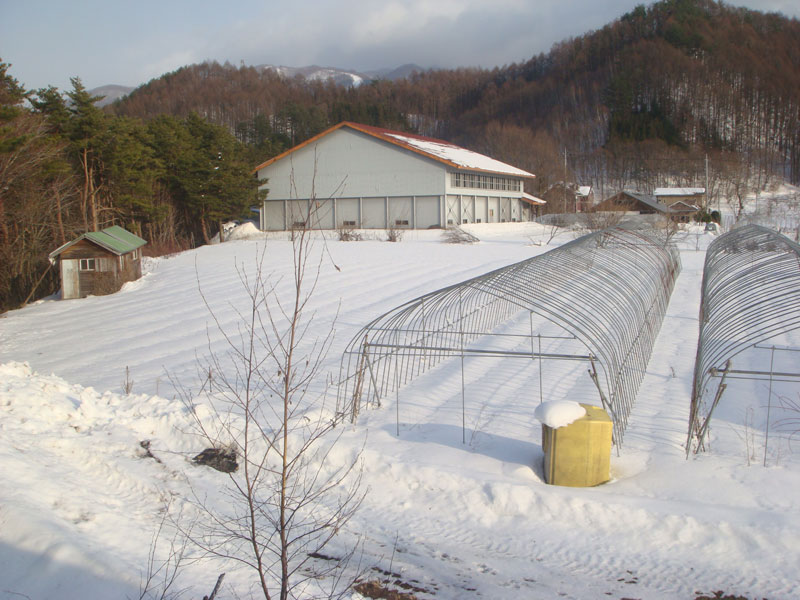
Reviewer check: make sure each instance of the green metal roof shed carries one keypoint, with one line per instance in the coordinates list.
(114, 239)
(98, 262)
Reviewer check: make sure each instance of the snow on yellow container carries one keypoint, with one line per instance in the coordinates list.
(576, 439)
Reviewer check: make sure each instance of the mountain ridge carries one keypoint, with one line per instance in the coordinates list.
(345, 77)
(674, 79)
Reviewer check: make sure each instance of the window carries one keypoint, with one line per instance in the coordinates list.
(348, 223)
(88, 264)
(484, 182)
(401, 222)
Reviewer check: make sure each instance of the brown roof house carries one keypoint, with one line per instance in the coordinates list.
(648, 204)
(98, 262)
(632, 201)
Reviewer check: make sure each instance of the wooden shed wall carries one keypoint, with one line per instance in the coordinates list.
(111, 271)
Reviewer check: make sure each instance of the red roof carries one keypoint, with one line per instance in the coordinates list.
(432, 148)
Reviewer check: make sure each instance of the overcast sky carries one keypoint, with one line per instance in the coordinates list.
(130, 42)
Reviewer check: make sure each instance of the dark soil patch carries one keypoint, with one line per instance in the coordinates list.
(221, 459)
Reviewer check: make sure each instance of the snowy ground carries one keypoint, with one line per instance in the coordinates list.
(80, 500)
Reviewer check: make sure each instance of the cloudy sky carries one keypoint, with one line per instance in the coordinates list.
(131, 42)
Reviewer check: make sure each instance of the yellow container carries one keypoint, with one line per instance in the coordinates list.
(579, 454)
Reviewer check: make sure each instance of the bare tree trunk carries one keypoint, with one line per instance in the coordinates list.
(258, 395)
(85, 190)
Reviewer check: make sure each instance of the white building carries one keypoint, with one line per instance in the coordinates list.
(365, 177)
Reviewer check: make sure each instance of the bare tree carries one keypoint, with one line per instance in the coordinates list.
(286, 500)
(666, 229)
(159, 580)
(550, 229)
(597, 220)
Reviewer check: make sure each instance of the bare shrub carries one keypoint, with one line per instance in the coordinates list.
(127, 383)
(666, 229)
(456, 235)
(394, 234)
(597, 220)
(348, 234)
(549, 234)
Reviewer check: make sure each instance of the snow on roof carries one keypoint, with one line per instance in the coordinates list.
(685, 191)
(460, 157)
(532, 199)
(585, 190)
(438, 150)
(680, 205)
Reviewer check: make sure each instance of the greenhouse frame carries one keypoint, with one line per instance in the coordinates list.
(608, 290)
(750, 295)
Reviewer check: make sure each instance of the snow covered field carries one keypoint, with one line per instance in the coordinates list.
(80, 501)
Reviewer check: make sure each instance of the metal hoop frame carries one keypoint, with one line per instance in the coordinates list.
(751, 293)
(608, 289)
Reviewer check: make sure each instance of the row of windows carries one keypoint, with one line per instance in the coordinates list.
(484, 182)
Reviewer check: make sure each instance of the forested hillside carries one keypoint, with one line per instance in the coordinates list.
(639, 102)
(67, 167)
(648, 100)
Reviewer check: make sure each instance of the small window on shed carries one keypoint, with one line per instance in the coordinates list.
(88, 264)
(401, 222)
(349, 223)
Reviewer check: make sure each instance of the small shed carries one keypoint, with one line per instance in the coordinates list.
(98, 262)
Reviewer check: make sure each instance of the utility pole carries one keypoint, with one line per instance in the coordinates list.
(565, 180)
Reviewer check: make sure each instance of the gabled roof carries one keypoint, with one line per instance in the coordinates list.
(648, 200)
(438, 150)
(681, 206)
(114, 239)
(687, 191)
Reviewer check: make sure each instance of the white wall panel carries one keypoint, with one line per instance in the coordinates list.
(373, 213)
(428, 212)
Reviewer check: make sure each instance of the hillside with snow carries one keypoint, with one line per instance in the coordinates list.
(98, 446)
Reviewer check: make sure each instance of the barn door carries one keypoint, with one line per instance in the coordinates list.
(70, 286)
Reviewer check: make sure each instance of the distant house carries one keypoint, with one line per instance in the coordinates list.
(632, 201)
(648, 204)
(364, 177)
(569, 198)
(585, 197)
(682, 211)
(98, 262)
(689, 196)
